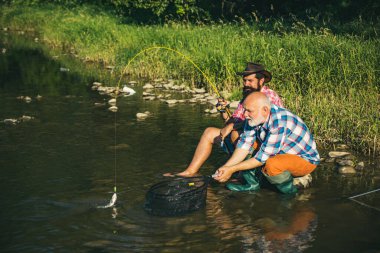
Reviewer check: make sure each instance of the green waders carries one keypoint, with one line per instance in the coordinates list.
(253, 179)
(283, 182)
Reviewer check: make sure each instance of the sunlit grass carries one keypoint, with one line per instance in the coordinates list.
(331, 81)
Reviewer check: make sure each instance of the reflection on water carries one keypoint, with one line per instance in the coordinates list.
(57, 168)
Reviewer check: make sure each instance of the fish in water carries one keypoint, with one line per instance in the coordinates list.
(112, 202)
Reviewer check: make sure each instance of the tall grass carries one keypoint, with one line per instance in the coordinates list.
(331, 81)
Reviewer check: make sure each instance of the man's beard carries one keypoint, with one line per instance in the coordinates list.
(255, 122)
(248, 90)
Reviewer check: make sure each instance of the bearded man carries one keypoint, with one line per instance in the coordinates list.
(286, 148)
(254, 79)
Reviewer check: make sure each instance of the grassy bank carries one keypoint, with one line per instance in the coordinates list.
(331, 81)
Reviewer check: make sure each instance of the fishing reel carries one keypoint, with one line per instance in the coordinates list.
(222, 106)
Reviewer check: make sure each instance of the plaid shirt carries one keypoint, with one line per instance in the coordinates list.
(274, 98)
(282, 133)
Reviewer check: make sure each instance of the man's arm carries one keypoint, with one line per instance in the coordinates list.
(236, 163)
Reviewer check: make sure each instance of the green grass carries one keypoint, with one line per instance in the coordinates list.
(330, 80)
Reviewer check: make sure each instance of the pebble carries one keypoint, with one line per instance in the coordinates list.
(342, 146)
(360, 166)
(148, 86)
(346, 170)
(112, 101)
(343, 162)
(25, 118)
(330, 160)
(201, 90)
(171, 101)
(142, 115)
(113, 108)
(338, 153)
(234, 104)
(213, 111)
(10, 121)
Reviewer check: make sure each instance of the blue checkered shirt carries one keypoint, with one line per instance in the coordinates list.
(282, 133)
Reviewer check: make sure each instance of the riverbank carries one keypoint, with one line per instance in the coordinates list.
(330, 80)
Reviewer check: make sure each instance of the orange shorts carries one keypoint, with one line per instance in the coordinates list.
(296, 165)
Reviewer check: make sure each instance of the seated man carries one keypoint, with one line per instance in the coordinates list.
(254, 78)
(287, 147)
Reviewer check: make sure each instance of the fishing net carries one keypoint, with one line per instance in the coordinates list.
(177, 196)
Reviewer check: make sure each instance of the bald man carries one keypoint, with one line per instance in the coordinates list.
(287, 148)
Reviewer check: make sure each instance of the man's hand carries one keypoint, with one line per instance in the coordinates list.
(223, 174)
(222, 105)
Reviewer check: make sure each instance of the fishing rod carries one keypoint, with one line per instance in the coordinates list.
(213, 86)
(364, 204)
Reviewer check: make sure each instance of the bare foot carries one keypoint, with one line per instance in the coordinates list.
(186, 174)
(168, 174)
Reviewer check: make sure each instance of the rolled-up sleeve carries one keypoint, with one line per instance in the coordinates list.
(272, 144)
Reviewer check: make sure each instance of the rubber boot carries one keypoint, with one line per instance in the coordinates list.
(252, 182)
(283, 182)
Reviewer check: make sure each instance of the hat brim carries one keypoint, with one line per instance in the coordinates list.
(267, 74)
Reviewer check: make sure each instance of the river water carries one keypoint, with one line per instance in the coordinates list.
(57, 167)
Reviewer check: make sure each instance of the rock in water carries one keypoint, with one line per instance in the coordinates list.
(338, 153)
(346, 170)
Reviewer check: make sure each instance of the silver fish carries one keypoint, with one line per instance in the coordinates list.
(112, 202)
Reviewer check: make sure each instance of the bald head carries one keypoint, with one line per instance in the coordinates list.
(257, 108)
(257, 99)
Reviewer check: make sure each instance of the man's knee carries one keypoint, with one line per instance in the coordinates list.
(273, 167)
(211, 133)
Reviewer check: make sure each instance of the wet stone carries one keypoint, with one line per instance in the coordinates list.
(142, 115)
(201, 90)
(11, 121)
(234, 104)
(344, 162)
(113, 109)
(112, 101)
(342, 146)
(346, 170)
(148, 86)
(338, 153)
(330, 160)
(150, 98)
(25, 118)
(213, 111)
(171, 101)
(359, 166)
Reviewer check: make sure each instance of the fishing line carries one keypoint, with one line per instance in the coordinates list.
(114, 196)
(213, 86)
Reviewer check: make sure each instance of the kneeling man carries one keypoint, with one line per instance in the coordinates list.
(286, 148)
